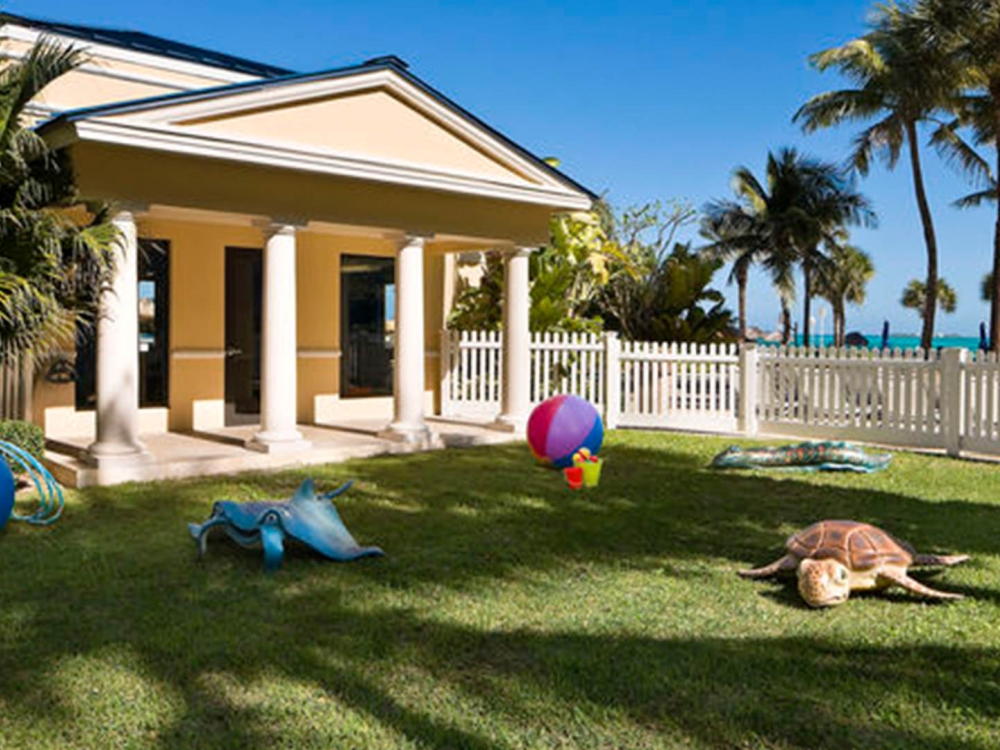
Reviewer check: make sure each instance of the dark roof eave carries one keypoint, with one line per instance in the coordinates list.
(147, 43)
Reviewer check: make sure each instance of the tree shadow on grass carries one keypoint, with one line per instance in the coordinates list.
(117, 574)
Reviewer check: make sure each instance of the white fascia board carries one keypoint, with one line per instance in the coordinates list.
(149, 59)
(173, 140)
(386, 80)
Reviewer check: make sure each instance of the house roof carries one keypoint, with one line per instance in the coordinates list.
(138, 41)
(386, 63)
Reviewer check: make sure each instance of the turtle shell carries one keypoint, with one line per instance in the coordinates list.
(858, 546)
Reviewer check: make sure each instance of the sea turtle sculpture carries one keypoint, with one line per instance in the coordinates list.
(307, 518)
(833, 558)
(824, 456)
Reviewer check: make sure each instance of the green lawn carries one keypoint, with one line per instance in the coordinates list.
(509, 612)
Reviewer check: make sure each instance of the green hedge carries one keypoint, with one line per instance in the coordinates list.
(25, 435)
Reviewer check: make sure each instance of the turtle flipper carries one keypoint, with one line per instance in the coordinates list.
(939, 559)
(786, 564)
(900, 578)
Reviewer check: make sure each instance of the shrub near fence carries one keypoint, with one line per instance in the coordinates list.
(947, 399)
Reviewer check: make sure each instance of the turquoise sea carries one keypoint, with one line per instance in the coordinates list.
(900, 342)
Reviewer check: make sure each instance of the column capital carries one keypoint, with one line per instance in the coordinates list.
(518, 251)
(409, 239)
(127, 210)
(280, 225)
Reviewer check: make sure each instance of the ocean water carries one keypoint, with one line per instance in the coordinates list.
(899, 342)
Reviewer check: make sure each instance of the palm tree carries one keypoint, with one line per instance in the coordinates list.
(967, 34)
(899, 82)
(802, 204)
(986, 288)
(915, 293)
(845, 283)
(53, 256)
(730, 228)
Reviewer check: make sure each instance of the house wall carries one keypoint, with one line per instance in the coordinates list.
(197, 330)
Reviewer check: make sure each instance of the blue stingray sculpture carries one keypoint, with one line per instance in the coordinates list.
(307, 518)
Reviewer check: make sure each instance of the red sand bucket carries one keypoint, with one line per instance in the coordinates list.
(574, 477)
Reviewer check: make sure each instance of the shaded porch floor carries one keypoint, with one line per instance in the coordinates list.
(176, 455)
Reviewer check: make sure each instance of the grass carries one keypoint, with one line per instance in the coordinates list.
(508, 613)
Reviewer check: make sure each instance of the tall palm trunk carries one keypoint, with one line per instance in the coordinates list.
(786, 321)
(838, 324)
(806, 301)
(741, 285)
(930, 240)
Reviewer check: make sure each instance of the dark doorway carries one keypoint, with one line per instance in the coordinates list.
(367, 325)
(244, 270)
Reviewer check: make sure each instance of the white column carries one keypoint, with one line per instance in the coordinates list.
(408, 361)
(118, 355)
(516, 397)
(279, 345)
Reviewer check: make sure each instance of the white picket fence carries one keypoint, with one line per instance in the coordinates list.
(948, 399)
(634, 384)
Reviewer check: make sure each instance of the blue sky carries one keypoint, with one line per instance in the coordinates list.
(641, 100)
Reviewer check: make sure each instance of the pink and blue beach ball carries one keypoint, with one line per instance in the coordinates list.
(6, 493)
(560, 426)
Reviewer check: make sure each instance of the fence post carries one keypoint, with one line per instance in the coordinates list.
(445, 362)
(612, 379)
(953, 398)
(749, 361)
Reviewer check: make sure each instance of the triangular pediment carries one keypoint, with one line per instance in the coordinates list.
(373, 125)
(377, 118)
(373, 122)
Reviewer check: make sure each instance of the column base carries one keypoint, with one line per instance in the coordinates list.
(416, 436)
(514, 423)
(117, 454)
(277, 442)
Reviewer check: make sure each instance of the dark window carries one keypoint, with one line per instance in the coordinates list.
(154, 323)
(368, 325)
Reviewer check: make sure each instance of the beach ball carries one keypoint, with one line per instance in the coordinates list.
(6, 493)
(560, 426)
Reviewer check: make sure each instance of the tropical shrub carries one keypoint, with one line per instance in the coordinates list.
(25, 435)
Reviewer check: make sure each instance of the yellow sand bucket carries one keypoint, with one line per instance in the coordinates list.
(591, 472)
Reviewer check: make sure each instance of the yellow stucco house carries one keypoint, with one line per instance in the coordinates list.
(286, 249)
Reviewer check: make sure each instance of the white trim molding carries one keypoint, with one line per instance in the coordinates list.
(319, 353)
(198, 354)
(183, 141)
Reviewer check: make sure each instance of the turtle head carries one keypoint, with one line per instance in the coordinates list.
(824, 583)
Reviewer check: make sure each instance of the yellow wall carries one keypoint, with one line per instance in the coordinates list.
(197, 320)
(197, 313)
